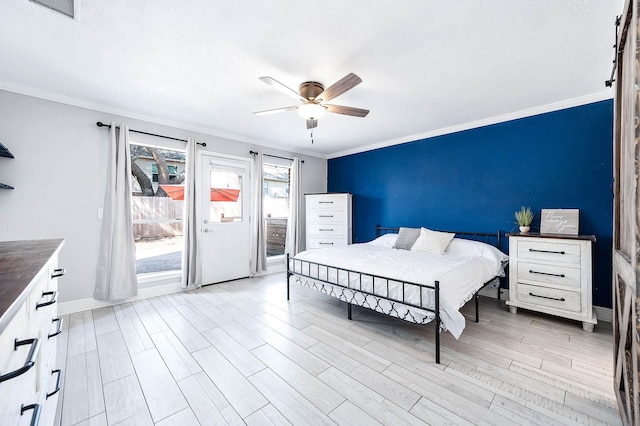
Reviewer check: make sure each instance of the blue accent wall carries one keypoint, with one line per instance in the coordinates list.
(476, 179)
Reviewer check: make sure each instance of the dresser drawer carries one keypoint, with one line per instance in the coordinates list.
(555, 252)
(326, 230)
(549, 297)
(325, 216)
(327, 201)
(545, 274)
(325, 242)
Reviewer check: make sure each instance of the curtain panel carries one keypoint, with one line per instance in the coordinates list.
(258, 233)
(191, 257)
(116, 270)
(293, 241)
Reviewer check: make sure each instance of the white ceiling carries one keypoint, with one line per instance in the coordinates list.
(427, 66)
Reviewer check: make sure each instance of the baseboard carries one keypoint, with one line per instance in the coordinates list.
(80, 305)
(603, 314)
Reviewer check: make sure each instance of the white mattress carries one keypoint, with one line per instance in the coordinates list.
(460, 276)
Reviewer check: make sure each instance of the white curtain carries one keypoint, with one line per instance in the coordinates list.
(258, 234)
(191, 259)
(116, 272)
(293, 242)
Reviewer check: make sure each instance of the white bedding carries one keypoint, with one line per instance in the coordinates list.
(461, 271)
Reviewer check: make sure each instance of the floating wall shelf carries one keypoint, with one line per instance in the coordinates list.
(4, 152)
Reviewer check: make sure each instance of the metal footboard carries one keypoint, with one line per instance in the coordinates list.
(313, 272)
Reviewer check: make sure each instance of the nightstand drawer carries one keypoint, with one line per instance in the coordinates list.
(555, 252)
(543, 274)
(550, 297)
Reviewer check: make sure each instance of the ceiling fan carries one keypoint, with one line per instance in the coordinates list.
(313, 96)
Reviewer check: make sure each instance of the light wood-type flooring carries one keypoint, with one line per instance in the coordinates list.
(239, 353)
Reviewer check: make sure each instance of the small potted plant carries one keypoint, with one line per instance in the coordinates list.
(524, 217)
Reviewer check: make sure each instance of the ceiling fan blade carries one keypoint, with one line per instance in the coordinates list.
(281, 87)
(346, 110)
(274, 111)
(312, 123)
(347, 82)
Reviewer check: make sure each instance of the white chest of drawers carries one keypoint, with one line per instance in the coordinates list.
(328, 220)
(29, 374)
(552, 275)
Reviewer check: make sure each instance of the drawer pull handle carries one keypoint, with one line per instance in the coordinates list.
(547, 297)
(325, 202)
(59, 330)
(326, 244)
(531, 271)
(326, 229)
(57, 389)
(325, 215)
(58, 272)
(35, 416)
(546, 251)
(51, 301)
(31, 358)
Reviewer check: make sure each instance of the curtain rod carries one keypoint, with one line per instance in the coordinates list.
(100, 124)
(274, 156)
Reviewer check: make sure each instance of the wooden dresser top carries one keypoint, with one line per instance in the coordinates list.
(20, 262)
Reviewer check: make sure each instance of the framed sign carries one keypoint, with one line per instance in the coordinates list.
(559, 221)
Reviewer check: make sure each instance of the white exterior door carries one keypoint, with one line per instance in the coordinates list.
(226, 229)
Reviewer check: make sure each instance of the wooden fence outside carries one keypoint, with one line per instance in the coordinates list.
(155, 217)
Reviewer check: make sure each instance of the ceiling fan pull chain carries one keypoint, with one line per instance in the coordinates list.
(311, 137)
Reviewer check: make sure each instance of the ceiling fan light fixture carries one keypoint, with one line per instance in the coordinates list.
(311, 111)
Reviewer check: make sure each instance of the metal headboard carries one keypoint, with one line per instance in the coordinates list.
(494, 238)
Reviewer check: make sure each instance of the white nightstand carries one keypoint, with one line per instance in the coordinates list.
(551, 273)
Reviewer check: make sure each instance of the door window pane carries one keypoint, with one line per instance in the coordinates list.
(157, 208)
(226, 200)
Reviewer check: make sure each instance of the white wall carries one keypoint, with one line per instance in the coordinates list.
(59, 178)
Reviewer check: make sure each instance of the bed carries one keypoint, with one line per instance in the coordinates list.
(427, 279)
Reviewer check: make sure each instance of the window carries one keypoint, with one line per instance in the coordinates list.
(173, 171)
(157, 208)
(276, 206)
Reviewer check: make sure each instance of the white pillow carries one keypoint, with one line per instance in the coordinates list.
(432, 241)
(386, 241)
(463, 247)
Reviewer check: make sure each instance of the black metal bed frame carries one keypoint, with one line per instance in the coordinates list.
(489, 238)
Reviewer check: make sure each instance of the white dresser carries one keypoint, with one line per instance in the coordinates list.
(29, 374)
(552, 274)
(328, 220)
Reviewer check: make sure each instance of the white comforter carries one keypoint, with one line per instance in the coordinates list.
(460, 276)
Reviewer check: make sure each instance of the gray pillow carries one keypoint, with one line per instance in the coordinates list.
(406, 238)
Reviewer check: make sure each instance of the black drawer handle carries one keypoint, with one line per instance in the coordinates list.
(35, 416)
(326, 229)
(546, 251)
(59, 330)
(31, 358)
(531, 271)
(547, 297)
(58, 272)
(326, 244)
(57, 389)
(51, 301)
(325, 202)
(325, 215)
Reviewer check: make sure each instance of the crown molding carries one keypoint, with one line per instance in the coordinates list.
(556, 106)
(54, 97)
